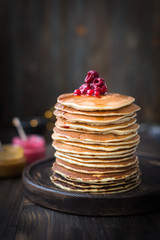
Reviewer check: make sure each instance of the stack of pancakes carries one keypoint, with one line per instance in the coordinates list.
(95, 140)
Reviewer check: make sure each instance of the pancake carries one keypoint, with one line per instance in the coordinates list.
(104, 156)
(97, 185)
(130, 109)
(103, 164)
(94, 120)
(111, 101)
(88, 137)
(134, 139)
(62, 147)
(110, 187)
(63, 124)
(104, 190)
(93, 178)
(102, 147)
(130, 129)
(92, 170)
(80, 159)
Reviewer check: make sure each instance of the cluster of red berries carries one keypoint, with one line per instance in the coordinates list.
(93, 86)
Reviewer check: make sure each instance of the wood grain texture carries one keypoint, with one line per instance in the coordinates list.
(48, 46)
(10, 206)
(23, 220)
(37, 222)
(145, 198)
(20, 219)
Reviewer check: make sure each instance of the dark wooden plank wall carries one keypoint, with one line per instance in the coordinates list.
(48, 46)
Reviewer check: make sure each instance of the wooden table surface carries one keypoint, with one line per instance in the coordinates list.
(21, 219)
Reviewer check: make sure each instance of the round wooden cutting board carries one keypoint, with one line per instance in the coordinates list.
(145, 198)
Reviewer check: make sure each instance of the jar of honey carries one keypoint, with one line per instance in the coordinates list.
(12, 160)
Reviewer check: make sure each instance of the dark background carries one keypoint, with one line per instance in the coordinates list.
(48, 46)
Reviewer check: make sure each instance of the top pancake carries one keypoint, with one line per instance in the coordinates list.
(111, 101)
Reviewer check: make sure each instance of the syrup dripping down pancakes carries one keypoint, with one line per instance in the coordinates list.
(95, 140)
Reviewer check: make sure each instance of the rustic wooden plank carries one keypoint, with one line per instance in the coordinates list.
(10, 207)
(40, 223)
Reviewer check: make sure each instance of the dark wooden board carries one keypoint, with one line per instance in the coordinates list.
(145, 198)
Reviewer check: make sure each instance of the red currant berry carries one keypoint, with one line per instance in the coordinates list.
(77, 92)
(90, 92)
(97, 89)
(96, 93)
(98, 82)
(92, 85)
(104, 89)
(84, 87)
(91, 75)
